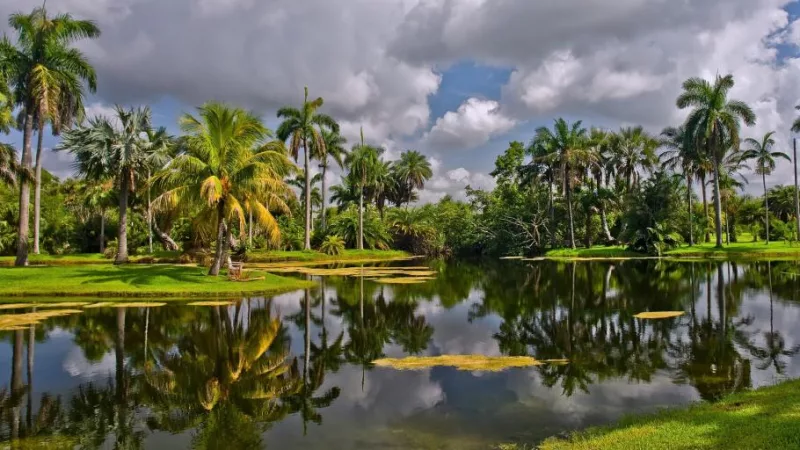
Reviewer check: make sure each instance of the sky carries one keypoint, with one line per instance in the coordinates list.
(455, 79)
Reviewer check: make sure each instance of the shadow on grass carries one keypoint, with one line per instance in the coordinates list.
(144, 276)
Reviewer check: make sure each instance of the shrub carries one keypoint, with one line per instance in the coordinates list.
(110, 251)
(332, 245)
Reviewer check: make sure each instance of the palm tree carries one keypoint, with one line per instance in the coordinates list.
(362, 161)
(103, 149)
(678, 154)
(569, 150)
(304, 125)
(299, 182)
(217, 168)
(8, 164)
(761, 151)
(44, 70)
(346, 193)
(633, 149)
(159, 153)
(543, 168)
(413, 170)
(713, 124)
(796, 129)
(334, 147)
(98, 196)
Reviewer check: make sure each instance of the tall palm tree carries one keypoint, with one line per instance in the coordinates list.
(161, 144)
(303, 126)
(345, 193)
(413, 170)
(569, 150)
(217, 168)
(633, 149)
(796, 129)
(680, 155)
(543, 168)
(762, 152)
(121, 151)
(299, 181)
(98, 196)
(334, 148)
(602, 166)
(362, 161)
(44, 69)
(714, 124)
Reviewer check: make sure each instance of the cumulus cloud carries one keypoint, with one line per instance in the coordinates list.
(473, 124)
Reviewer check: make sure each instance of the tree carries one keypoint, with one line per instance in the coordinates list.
(8, 164)
(44, 70)
(680, 155)
(632, 149)
(122, 151)
(714, 124)
(362, 161)
(218, 168)
(764, 156)
(413, 170)
(569, 150)
(304, 127)
(796, 129)
(334, 148)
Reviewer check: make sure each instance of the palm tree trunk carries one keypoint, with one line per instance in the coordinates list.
(219, 254)
(122, 238)
(102, 231)
(796, 192)
(717, 205)
(37, 192)
(307, 244)
(149, 218)
(250, 227)
(121, 389)
(322, 212)
(689, 197)
(552, 214)
(31, 348)
(569, 210)
(307, 334)
(361, 219)
(16, 383)
(727, 227)
(166, 241)
(24, 193)
(705, 205)
(766, 207)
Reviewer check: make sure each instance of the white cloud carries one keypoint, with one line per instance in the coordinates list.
(473, 124)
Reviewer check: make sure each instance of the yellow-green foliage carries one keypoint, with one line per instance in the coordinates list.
(18, 321)
(659, 314)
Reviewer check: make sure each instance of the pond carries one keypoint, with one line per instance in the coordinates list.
(295, 370)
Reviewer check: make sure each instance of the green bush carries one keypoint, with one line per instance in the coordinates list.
(332, 245)
(110, 251)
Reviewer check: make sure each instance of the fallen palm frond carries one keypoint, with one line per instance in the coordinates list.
(659, 314)
(463, 362)
(17, 321)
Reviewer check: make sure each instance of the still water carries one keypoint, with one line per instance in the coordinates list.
(294, 370)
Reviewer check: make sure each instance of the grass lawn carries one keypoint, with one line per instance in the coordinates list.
(598, 251)
(767, 418)
(173, 257)
(134, 281)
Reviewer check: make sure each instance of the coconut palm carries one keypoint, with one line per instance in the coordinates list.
(413, 170)
(218, 168)
(44, 70)
(680, 155)
(304, 127)
(764, 156)
(334, 148)
(633, 149)
(713, 125)
(568, 145)
(122, 151)
(362, 161)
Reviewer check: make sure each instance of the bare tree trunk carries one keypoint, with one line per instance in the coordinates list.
(569, 210)
(221, 241)
(322, 214)
(552, 215)
(604, 223)
(250, 227)
(307, 244)
(37, 192)
(16, 383)
(705, 205)
(361, 219)
(168, 243)
(717, 205)
(102, 231)
(31, 349)
(122, 238)
(149, 217)
(796, 194)
(691, 224)
(24, 193)
(766, 207)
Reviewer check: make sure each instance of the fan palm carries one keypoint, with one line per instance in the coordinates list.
(363, 160)
(44, 71)
(568, 145)
(217, 167)
(764, 156)
(103, 149)
(303, 126)
(334, 148)
(633, 149)
(413, 170)
(714, 124)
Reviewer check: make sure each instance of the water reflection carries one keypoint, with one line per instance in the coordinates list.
(295, 370)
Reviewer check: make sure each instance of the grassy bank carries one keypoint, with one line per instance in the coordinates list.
(762, 419)
(174, 257)
(134, 281)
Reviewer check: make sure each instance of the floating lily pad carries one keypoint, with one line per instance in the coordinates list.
(13, 321)
(61, 305)
(100, 305)
(16, 306)
(659, 314)
(211, 303)
(137, 305)
(511, 257)
(403, 280)
(462, 362)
